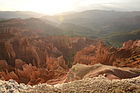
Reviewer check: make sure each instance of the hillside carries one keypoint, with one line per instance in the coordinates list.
(111, 26)
(101, 20)
(18, 14)
(116, 39)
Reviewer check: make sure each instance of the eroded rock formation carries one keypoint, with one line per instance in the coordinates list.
(128, 55)
(29, 55)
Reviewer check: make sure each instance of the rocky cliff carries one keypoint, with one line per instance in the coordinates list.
(128, 55)
(28, 54)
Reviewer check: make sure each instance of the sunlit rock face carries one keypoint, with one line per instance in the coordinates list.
(131, 44)
(28, 55)
(81, 71)
(128, 55)
(94, 54)
(133, 50)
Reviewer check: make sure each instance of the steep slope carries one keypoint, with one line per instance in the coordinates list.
(25, 45)
(80, 71)
(99, 53)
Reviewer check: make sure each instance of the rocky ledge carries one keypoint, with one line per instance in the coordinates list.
(98, 84)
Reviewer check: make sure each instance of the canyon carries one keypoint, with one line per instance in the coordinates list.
(31, 53)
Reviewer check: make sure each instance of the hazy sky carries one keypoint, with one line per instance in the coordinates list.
(58, 6)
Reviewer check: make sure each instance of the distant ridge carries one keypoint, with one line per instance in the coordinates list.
(19, 14)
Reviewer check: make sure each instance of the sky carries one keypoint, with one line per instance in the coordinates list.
(58, 6)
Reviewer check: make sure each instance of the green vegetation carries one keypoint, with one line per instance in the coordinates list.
(116, 39)
(76, 30)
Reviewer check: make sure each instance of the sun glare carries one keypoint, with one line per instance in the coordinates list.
(50, 6)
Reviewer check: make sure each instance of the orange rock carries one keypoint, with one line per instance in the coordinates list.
(30, 57)
(100, 53)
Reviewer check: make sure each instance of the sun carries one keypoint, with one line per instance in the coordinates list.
(49, 6)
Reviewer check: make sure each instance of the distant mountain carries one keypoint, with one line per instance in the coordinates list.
(99, 20)
(114, 27)
(18, 14)
(29, 26)
(99, 23)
